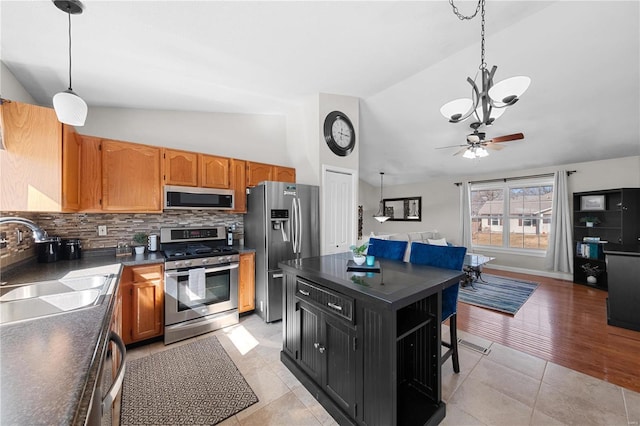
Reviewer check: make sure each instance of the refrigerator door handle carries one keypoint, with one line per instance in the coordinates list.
(299, 220)
(294, 225)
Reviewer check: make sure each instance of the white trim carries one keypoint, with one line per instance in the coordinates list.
(556, 275)
(511, 250)
(354, 208)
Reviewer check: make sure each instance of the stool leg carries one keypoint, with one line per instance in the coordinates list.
(453, 331)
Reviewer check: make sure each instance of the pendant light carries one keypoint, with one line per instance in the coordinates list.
(380, 216)
(70, 108)
(489, 101)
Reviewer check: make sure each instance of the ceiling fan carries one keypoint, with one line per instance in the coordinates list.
(477, 145)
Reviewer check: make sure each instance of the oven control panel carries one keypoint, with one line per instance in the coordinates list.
(202, 262)
(172, 235)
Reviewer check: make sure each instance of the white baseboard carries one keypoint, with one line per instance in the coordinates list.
(556, 275)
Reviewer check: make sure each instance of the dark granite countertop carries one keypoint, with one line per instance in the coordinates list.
(49, 365)
(397, 284)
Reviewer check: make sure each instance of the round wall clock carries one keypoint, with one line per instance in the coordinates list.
(339, 133)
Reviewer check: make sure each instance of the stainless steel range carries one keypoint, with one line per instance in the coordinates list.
(200, 281)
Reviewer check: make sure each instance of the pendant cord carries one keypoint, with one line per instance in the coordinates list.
(69, 16)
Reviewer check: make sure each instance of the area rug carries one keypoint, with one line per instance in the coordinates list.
(195, 384)
(498, 293)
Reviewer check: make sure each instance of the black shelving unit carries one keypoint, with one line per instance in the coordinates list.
(618, 215)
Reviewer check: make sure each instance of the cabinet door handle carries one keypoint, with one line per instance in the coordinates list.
(334, 306)
(318, 347)
(306, 293)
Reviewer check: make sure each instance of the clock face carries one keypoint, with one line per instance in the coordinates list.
(339, 133)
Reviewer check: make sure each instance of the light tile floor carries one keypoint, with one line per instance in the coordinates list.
(504, 387)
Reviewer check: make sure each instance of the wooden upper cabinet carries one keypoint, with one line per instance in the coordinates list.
(180, 167)
(39, 168)
(70, 169)
(90, 174)
(284, 174)
(131, 179)
(239, 185)
(214, 171)
(258, 172)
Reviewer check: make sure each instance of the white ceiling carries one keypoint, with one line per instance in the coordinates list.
(403, 59)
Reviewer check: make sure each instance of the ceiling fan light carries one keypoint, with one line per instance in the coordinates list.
(507, 92)
(70, 108)
(481, 152)
(456, 109)
(469, 153)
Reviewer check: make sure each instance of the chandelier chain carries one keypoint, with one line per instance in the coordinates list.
(463, 17)
(483, 64)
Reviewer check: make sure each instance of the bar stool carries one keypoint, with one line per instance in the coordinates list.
(447, 257)
(387, 249)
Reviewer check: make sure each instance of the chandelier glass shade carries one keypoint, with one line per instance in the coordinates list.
(69, 107)
(488, 100)
(380, 216)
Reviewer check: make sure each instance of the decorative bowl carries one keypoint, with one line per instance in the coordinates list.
(359, 259)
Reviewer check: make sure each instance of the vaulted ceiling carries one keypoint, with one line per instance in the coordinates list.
(403, 59)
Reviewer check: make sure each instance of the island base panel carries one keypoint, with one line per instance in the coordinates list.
(315, 390)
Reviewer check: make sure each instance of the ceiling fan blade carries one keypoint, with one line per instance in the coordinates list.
(460, 151)
(492, 146)
(450, 146)
(507, 138)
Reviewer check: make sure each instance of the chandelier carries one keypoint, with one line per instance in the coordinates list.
(380, 216)
(487, 102)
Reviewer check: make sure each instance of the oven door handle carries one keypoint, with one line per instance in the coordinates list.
(206, 271)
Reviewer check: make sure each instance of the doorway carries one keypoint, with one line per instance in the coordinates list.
(339, 188)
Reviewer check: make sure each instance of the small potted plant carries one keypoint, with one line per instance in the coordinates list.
(139, 242)
(591, 271)
(359, 253)
(589, 221)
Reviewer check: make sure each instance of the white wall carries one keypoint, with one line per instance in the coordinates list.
(11, 89)
(245, 136)
(441, 202)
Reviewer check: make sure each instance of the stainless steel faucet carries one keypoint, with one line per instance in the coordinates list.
(39, 234)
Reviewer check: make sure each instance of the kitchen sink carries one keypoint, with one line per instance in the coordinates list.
(33, 300)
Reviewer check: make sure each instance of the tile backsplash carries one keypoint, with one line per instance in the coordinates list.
(120, 227)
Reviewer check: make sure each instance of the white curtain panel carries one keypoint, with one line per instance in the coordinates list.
(560, 250)
(465, 215)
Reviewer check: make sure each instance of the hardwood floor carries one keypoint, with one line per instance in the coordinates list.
(566, 324)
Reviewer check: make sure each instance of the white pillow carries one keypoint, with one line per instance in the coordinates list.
(439, 242)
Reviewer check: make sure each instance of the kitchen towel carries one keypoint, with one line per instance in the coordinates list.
(197, 280)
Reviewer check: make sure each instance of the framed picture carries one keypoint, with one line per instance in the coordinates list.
(403, 209)
(592, 202)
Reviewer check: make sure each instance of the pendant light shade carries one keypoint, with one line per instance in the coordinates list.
(380, 216)
(70, 108)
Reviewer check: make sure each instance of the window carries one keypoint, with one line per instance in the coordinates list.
(514, 215)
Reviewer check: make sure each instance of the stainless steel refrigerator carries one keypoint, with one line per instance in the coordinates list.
(282, 223)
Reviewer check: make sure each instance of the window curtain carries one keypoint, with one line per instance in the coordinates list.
(465, 215)
(560, 250)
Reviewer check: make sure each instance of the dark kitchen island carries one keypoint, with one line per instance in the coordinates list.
(366, 344)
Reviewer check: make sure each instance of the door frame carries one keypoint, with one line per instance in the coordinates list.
(354, 202)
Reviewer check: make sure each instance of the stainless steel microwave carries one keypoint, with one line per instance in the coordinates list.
(186, 197)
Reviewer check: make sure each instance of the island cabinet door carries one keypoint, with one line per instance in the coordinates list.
(310, 352)
(339, 362)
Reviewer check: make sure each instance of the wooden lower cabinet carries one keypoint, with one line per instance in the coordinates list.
(142, 289)
(247, 283)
